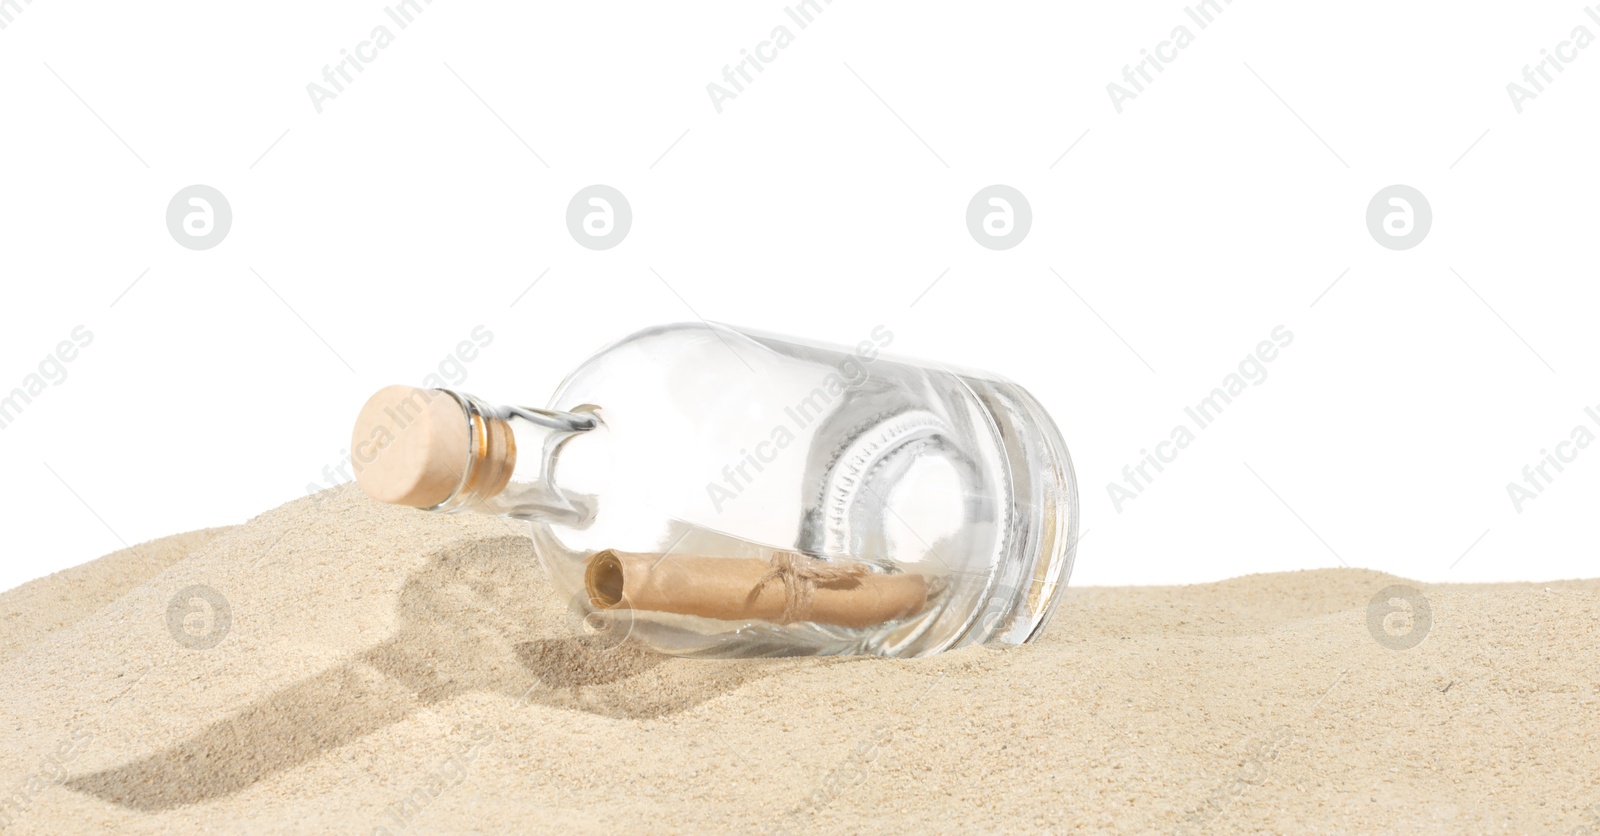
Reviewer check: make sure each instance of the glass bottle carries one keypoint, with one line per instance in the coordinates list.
(720, 492)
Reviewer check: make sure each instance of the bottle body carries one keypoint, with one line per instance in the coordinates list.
(719, 492)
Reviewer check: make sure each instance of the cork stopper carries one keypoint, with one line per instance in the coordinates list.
(410, 446)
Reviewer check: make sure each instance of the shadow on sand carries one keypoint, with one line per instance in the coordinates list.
(480, 618)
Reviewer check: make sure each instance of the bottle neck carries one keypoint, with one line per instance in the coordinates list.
(510, 465)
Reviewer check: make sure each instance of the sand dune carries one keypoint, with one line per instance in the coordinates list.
(377, 669)
(38, 608)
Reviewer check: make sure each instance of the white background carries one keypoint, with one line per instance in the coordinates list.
(385, 228)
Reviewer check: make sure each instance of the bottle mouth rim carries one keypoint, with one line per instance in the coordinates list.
(491, 454)
(500, 474)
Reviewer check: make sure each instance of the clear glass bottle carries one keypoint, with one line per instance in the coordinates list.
(719, 492)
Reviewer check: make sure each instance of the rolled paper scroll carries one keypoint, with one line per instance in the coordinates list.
(790, 587)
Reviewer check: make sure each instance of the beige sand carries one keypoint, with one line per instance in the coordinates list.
(38, 608)
(389, 670)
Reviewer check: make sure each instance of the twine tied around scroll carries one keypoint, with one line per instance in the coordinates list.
(800, 576)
